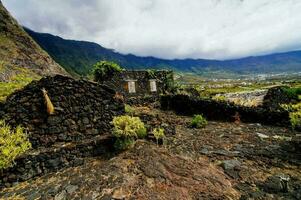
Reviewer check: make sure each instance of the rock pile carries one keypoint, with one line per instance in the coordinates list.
(83, 110)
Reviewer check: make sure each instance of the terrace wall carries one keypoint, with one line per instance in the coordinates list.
(224, 111)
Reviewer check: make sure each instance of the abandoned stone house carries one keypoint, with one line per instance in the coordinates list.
(141, 83)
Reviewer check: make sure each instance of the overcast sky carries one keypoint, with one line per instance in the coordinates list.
(212, 29)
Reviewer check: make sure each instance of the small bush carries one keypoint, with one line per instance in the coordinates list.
(13, 143)
(294, 114)
(198, 121)
(124, 143)
(219, 98)
(295, 119)
(158, 133)
(128, 127)
(293, 93)
(129, 109)
(126, 130)
(105, 70)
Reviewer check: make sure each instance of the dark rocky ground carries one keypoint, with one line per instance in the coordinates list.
(221, 161)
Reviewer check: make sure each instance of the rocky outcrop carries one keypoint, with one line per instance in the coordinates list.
(83, 110)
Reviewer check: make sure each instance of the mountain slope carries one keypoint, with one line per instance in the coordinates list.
(79, 56)
(19, 52)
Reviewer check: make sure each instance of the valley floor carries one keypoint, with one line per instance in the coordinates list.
(221, 161)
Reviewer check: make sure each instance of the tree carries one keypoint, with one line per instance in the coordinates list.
(104, 70)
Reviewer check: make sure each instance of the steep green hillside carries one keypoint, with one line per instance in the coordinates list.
(18, 50)
(21, 58)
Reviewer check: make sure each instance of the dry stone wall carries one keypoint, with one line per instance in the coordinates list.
(83, 110)
(80, 126)
(224, 111)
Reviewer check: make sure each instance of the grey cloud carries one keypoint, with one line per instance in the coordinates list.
(170, 28)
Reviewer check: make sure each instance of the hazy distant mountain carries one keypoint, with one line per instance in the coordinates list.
(20, 52)
(79, 57)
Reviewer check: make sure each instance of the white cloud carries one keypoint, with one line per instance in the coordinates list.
(216, 29)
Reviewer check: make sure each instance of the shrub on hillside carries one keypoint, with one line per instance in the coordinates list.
(127, 129)
(104, 70)
(124, 143)
(219, 98)
(294, 114)
(198, 121)
(13, 143)
(293, 93)
(158, 134)
(129, 109)
(295, 119)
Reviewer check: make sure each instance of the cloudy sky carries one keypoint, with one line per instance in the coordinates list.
(212, 29)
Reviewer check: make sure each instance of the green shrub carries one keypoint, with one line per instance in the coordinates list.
(293, 93)
(169, 84)
(105, 70)
(151, 73)
(124, 143)
(129, 109)
(158, 133)
(295, 119)
(294, 114)
(127, 129)
(13, 143)
(219, 98)
(198, 121)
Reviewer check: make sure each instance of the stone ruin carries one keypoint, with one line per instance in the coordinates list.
(139, 84)
(79, 126)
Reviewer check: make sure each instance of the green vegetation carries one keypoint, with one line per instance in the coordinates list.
(127, 129)
(169, 83)
(294, 114)
(17, 81)
(151, 73)
(295, 119)
(129, 109)
(219, 98)
(158, 133)
(124, 143)
(198, 121)
(105, 70)
(293, 92)
(13, 143)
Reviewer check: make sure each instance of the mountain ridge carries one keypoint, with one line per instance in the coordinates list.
(79, 57)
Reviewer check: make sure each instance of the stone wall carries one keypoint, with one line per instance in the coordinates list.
(83, 110)
(37, 162)
(119, 82)
(224, 111)
(80, 126)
